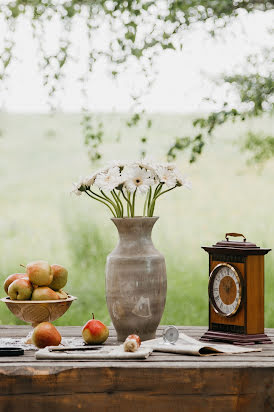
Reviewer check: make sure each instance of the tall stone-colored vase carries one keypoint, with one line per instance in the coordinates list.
(136, 280)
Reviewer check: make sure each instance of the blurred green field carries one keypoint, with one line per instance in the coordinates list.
(40, 157)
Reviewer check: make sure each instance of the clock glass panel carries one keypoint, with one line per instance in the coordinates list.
(225, 289)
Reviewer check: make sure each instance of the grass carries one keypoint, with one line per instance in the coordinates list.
(41, 155)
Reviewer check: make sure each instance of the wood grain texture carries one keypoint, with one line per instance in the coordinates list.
(164, 382)
(255, 293)
(158, 389)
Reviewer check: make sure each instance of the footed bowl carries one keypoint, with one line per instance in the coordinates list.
(37, 311)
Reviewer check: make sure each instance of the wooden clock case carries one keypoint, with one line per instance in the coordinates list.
(246, 326)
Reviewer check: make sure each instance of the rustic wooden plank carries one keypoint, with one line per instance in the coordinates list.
(193, 389)
(89, 380)
(123, 402)
(166, 361)
(46, 367)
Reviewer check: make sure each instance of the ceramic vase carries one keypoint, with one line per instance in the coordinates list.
(136, 280)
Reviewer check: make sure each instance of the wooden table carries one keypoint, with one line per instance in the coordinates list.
(163, 382)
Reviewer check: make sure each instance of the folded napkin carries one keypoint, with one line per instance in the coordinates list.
(105, 353)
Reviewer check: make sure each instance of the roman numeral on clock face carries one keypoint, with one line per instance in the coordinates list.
(224, 289)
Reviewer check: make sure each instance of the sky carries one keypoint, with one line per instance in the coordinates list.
(183, 81)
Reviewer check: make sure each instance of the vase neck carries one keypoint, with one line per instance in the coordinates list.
(135, 233)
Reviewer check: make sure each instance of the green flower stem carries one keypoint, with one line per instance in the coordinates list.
(96, 194)
(128, 202)
(156, 193)
(104, 198)
(145, 204)
(133, 203)
(165, 191)
(158, 189)
(118, 201)
(99, 200)
(116, 207)
(152, 207)
(149, 199)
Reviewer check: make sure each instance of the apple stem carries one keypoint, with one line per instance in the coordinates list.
(92, 315)
(23, 266)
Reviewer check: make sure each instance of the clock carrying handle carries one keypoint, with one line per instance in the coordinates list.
(234, 235)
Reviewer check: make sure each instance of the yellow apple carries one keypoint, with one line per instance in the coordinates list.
(60, 277)
(20, 289)
(44, 293)
(39, 273)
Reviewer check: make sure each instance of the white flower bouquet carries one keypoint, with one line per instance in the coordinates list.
(118, 184)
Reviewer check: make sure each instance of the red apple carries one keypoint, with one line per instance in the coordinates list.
(13, 277)
(20, 289)
(95, 332)
(45, 334)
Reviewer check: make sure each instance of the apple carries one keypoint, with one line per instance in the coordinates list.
(60, 277)
(13, 277)
(45, 334)
(95, 332)
(39, 273)
(20, 289)
(44, 293)
(62, 294)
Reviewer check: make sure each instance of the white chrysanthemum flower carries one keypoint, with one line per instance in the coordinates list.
(79, 187)
(135, 177)
(107, 181)
(166, 176)
(181, 180)
(116, 163)
(169, 166)
(146, 163)
(89, 180)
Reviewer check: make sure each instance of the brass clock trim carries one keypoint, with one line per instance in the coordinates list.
(210, 292)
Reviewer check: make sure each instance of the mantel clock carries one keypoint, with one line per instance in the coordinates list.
(236, 292)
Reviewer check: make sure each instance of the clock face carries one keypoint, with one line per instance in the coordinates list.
(225, 289)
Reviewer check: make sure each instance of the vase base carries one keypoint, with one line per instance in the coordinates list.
(143, 336)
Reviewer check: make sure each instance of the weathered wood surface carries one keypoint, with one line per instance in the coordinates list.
(163, 382)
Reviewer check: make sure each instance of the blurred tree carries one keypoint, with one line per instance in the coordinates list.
(141, 30)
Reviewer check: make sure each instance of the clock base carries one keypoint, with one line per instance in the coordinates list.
(235, 338)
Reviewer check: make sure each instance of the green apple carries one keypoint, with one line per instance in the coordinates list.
(60, 277)
(44, 293)
(20, 289)
(95, 332)
(39, 273)
(45, 334)
(13, 277)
